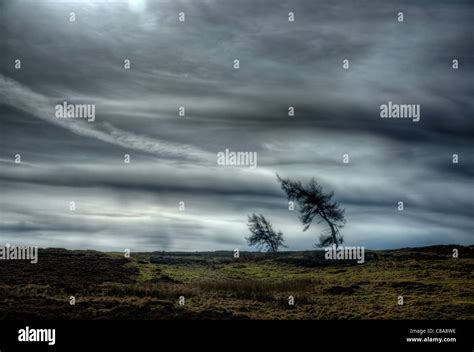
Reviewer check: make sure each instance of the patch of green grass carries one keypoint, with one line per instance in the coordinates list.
(146, 271)
(186, 274)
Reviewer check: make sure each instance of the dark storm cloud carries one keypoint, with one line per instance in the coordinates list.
(189, 64)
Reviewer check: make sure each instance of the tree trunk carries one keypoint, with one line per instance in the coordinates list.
(333, 231)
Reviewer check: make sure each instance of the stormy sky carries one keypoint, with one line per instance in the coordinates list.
(191, 64)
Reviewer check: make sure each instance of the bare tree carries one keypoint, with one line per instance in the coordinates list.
(314, 203)
(263, 235)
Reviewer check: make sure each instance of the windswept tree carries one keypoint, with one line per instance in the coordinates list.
(314, 203)
(263, 235)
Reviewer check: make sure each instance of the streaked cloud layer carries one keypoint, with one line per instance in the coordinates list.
(189, 64)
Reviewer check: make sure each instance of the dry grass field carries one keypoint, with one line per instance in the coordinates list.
(215, 285)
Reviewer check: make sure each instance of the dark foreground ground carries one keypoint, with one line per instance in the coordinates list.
(215, 285)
